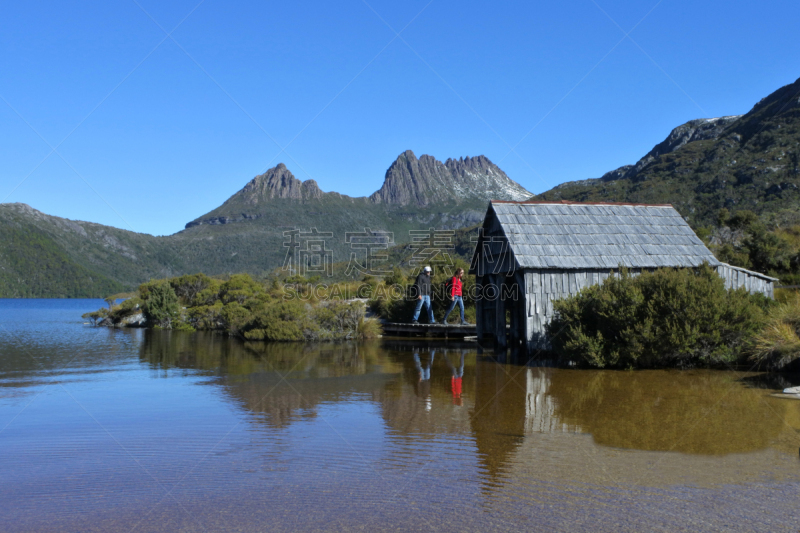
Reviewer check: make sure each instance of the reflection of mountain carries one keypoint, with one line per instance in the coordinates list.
(279, 382)
(514, 422)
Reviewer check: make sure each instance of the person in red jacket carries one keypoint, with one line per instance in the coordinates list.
(454, 295)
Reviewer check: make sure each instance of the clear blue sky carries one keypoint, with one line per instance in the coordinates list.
(152, 131)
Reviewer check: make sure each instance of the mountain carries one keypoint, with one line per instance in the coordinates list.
(47, 256)
(423, 181)
(737, 162)
(410, 183)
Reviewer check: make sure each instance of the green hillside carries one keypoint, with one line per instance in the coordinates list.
(32, 265)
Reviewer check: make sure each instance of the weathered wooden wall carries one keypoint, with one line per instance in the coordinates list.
(532, 309)
(542, 287)
(739, 277)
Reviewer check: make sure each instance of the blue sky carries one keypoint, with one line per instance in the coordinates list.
(151, 131)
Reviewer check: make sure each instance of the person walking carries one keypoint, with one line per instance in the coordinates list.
(423, 290)
(454, 295)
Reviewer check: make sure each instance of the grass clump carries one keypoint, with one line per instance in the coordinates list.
(777, 345)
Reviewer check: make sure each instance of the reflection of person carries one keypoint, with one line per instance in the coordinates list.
(454, 295)
(423, 290)
(424, 372)
(455, 381)
(424, 389)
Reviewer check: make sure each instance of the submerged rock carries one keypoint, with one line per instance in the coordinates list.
(136, 320)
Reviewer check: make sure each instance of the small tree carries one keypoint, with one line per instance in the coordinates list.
(96, 315)
(161, 307)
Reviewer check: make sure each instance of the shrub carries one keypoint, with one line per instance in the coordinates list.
(206, 316)
(277, 321)
(239, 288)
(180, 325)
(161, 307)
(669, 317)
(188, 286)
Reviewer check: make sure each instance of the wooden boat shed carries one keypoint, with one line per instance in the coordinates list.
(531, 253)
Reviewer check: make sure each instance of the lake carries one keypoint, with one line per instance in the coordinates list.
(158, 431)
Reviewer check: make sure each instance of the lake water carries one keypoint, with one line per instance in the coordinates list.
(132, 430)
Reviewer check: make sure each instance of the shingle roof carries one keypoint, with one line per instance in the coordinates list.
(589, 236)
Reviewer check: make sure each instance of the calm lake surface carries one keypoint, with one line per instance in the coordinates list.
(132, 430)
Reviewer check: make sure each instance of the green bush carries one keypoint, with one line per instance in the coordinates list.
(161, 306)
(188, 287)
(244, 308)
(277, 321)
(669, 317)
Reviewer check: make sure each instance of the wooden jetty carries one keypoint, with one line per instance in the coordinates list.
(397, 329)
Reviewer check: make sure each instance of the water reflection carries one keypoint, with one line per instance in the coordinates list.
(685, 411)
(378, 436)
(434, 389)
(280, 382)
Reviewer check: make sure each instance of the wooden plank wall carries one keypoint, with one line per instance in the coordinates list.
(735, 278)
(542, 287)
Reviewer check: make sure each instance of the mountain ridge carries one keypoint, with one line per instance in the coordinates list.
(748, 161)
(409, 181)
(247, 232)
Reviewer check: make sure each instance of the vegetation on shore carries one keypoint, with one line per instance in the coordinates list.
(666, 318)
(670, 317)
(243, 307)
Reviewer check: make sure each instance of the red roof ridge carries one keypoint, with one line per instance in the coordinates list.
(570, 202)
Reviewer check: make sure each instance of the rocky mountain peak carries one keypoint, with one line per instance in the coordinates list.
(700, 129)
(278, 182)
(425, 180)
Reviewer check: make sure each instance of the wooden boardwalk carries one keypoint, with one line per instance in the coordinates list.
(428, 330)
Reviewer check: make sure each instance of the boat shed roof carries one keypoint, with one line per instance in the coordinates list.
(571, 235)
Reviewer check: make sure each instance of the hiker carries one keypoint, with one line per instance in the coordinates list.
(453, 293)
(422, 287)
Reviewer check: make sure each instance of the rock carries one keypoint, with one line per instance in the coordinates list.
(136, 320)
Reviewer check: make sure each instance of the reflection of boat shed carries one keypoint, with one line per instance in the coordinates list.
(531, 253)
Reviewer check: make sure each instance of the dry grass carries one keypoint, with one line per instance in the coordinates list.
(778, 344)
(368, 328)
